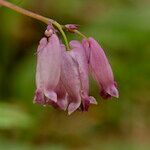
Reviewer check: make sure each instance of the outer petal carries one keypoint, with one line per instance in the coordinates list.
(79, 56)
(39, 80)
(62, 101)
(86, 101)
(87, 49)
(71, 82)
(101, 69)
(39, 95)
(49, 59)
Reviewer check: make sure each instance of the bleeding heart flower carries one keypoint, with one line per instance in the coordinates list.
(100, 68)
(74, 76)
(48, 69)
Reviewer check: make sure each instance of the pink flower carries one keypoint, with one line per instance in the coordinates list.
(100, 68)
(62, 77)
(48, 69)
(71, 27)
(74, 76)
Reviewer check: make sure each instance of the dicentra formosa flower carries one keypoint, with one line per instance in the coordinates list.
(74, 76)
(48, 69)
(62, 77)
(100, 68)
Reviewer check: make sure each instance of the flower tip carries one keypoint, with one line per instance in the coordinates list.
(72, 107)
(93, 100)
(38, 98)
(51, 95)
(113, 91)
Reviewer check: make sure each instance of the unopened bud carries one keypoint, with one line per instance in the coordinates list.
(71, 27)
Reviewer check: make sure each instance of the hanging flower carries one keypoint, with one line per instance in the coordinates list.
(100, 68)
(74, 76)
(48, 69)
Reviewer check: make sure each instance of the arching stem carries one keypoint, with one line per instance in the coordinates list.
(80, 34)
(36, 16)
(25, 12)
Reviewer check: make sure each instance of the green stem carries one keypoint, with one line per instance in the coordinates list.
(40, 18)
(35, 16)
(81, 34)
(25, 12)
(63, 34)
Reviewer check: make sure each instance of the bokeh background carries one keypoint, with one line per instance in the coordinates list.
(123, 29)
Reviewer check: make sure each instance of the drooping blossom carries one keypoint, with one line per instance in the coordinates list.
(48, 69)
(62, 77)
(100, 68)
(74, 76)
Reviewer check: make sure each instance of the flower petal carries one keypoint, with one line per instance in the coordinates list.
(51, 95)
(79, 56)
(73, 105)
(70, 80)
(39, 98)
(62, 101)
(101, 69)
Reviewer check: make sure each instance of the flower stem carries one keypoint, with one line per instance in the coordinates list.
(79, 33)
(63, 33)
(26, 12)
(40, 18)
(35, 16)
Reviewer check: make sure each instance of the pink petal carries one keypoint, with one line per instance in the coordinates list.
(62, 101)
(51, 63)
(48, 66)
(79, 56)
(87, 49)
(70, 80)
(101, 69)
(73, 105)
(51, 95)
(39, 98)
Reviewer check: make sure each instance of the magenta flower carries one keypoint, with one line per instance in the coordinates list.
(74, 76)
(48, 69)
(100, 68)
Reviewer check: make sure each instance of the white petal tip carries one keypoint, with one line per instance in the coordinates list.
(93, 100)
(113, 91)
(73, 107)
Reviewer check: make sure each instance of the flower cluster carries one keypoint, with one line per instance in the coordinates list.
(62, 77)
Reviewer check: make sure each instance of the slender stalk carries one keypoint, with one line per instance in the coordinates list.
(25, 12)
(35, 16)
(79, 33)
(63, 34)
(40, 18)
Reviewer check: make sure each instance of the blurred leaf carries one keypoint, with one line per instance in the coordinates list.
(13, 117)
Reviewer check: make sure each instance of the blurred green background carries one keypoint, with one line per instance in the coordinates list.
(123, 29)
